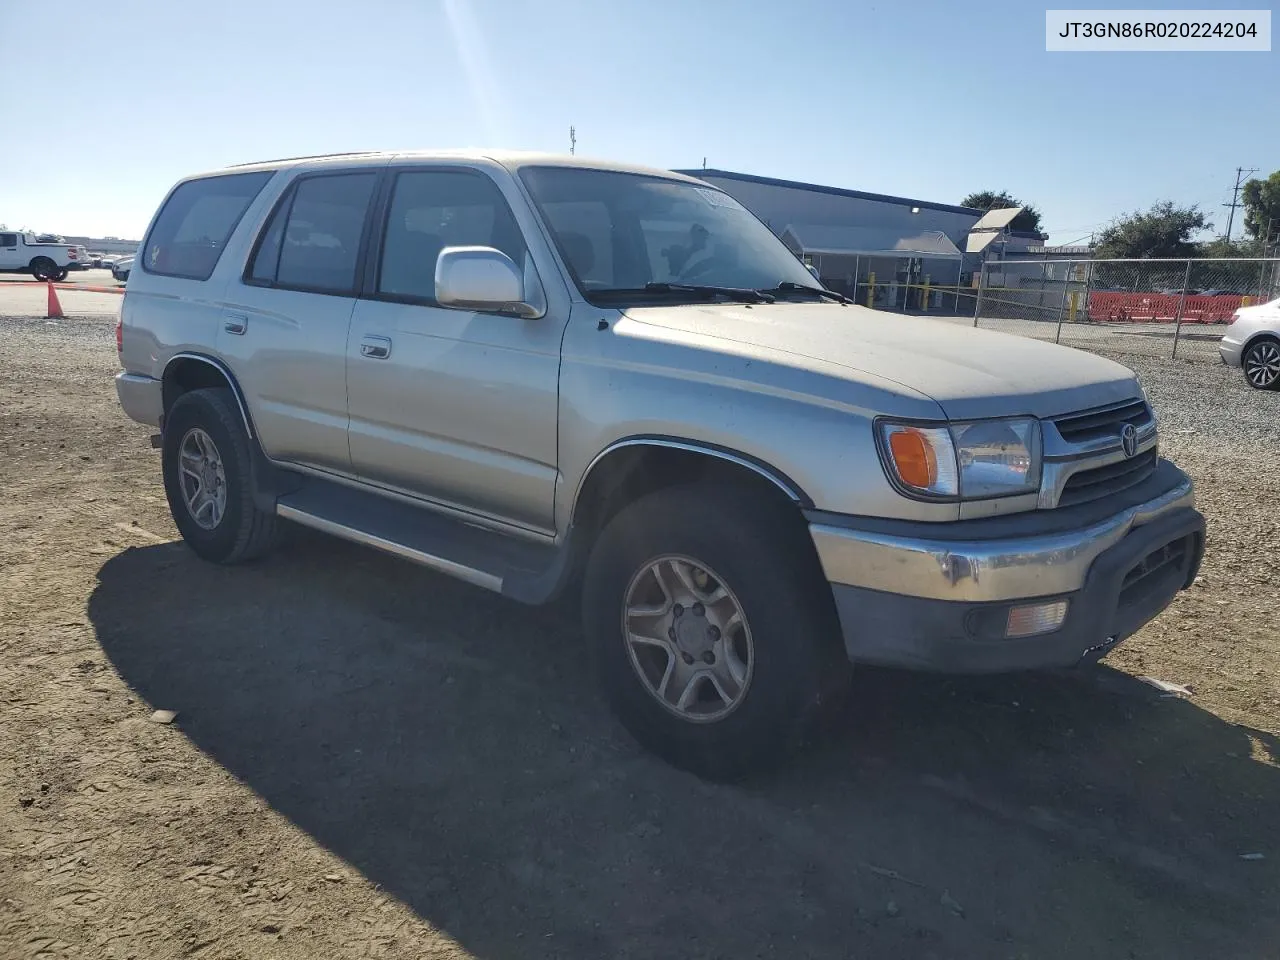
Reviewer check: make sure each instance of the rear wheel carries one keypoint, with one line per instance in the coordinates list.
(43, 268)
(59, 275)
(1262, 365)
(714, 630)
(208, 479)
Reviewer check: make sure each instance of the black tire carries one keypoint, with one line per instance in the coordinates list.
(1259, 363)
(43, 268)
(764, 556)
(244, 532)
(60, 275)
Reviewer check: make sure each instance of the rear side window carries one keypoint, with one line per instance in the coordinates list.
(267, 257)
(312, 241)
(8, 239)
(196, 222)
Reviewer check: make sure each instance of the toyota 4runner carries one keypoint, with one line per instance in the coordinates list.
(529, 372)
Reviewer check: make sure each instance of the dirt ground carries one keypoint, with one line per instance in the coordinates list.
(370, 760)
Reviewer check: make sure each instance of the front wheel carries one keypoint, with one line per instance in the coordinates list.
(208, 479)
(715, 633)
(1262, 365)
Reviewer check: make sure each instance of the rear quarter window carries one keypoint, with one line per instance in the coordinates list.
(196, 222)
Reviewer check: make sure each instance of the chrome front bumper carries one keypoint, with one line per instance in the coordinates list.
(927, 597)
(141, 397)
(981, 570)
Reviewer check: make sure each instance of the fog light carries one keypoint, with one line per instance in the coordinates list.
(1035, 618)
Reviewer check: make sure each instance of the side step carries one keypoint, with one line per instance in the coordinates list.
(516, 568)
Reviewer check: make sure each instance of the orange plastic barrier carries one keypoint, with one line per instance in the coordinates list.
(1107, 307)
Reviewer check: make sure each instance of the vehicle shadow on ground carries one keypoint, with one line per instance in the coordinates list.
(452, 747)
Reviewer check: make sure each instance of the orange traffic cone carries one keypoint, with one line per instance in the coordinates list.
(55, 308)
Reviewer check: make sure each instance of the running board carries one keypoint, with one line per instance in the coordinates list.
(514, 567)
(479, 578)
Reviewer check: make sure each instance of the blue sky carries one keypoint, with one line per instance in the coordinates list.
(922, 99)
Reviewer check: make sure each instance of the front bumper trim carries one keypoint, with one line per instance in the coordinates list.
(1126, 587)
(1230, 351)
(980, 570)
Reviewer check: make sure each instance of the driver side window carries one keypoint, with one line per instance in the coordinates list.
(434, 209)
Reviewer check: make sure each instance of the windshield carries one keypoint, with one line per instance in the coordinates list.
(619, 232)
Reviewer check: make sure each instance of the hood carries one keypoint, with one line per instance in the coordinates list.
(971, 373)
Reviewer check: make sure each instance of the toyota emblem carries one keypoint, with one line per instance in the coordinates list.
(1129, 439)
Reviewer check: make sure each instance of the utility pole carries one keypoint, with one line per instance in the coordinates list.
(573, 141)
(1241, 173)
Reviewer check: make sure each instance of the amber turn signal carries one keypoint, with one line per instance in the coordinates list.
(913, 458)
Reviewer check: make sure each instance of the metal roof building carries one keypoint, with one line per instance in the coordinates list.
(868, 244)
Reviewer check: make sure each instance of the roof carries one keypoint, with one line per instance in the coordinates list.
(868, 241)
(831, 191)
(511, 159)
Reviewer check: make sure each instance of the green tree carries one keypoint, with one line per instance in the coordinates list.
(1221, 247)
(1262, 206)
(1227, 267)
(1163, 231)
(1028, 219)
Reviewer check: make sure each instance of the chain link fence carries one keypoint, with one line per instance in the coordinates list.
(1158, 308)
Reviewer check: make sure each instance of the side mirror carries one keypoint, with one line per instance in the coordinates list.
(481, 278)
(814, 270)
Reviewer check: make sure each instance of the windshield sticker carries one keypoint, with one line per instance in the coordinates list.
(718, 199)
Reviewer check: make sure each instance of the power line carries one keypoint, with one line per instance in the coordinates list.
(1241, 173)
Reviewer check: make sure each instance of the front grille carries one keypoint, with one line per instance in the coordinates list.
(1103, 481)
(1103, 421)
(1153, 571)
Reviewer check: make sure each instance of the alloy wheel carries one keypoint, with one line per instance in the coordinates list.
(688, 638)
(202, 478)
(1262, 364)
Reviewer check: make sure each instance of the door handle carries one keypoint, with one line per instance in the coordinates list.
(236, 323)
(375, 348)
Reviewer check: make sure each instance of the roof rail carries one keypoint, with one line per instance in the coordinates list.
(314, 156)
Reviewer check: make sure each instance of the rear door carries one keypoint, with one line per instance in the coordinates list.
(285, 329)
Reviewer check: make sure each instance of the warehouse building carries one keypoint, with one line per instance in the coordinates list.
(870, 245)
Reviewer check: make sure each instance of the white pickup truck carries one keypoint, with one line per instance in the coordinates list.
(22, 253)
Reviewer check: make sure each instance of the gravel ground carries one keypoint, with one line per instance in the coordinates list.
(1208, 406)
(372, 761)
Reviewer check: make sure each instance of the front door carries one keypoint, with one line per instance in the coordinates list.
(452, 405)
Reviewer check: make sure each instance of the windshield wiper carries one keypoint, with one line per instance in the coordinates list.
(745, 294)
(788, 286)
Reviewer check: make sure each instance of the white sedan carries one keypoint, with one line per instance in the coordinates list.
(1252, 341)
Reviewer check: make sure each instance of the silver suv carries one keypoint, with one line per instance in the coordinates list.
(534, 372)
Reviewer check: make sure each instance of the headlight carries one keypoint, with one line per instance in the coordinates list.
(969, 461)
